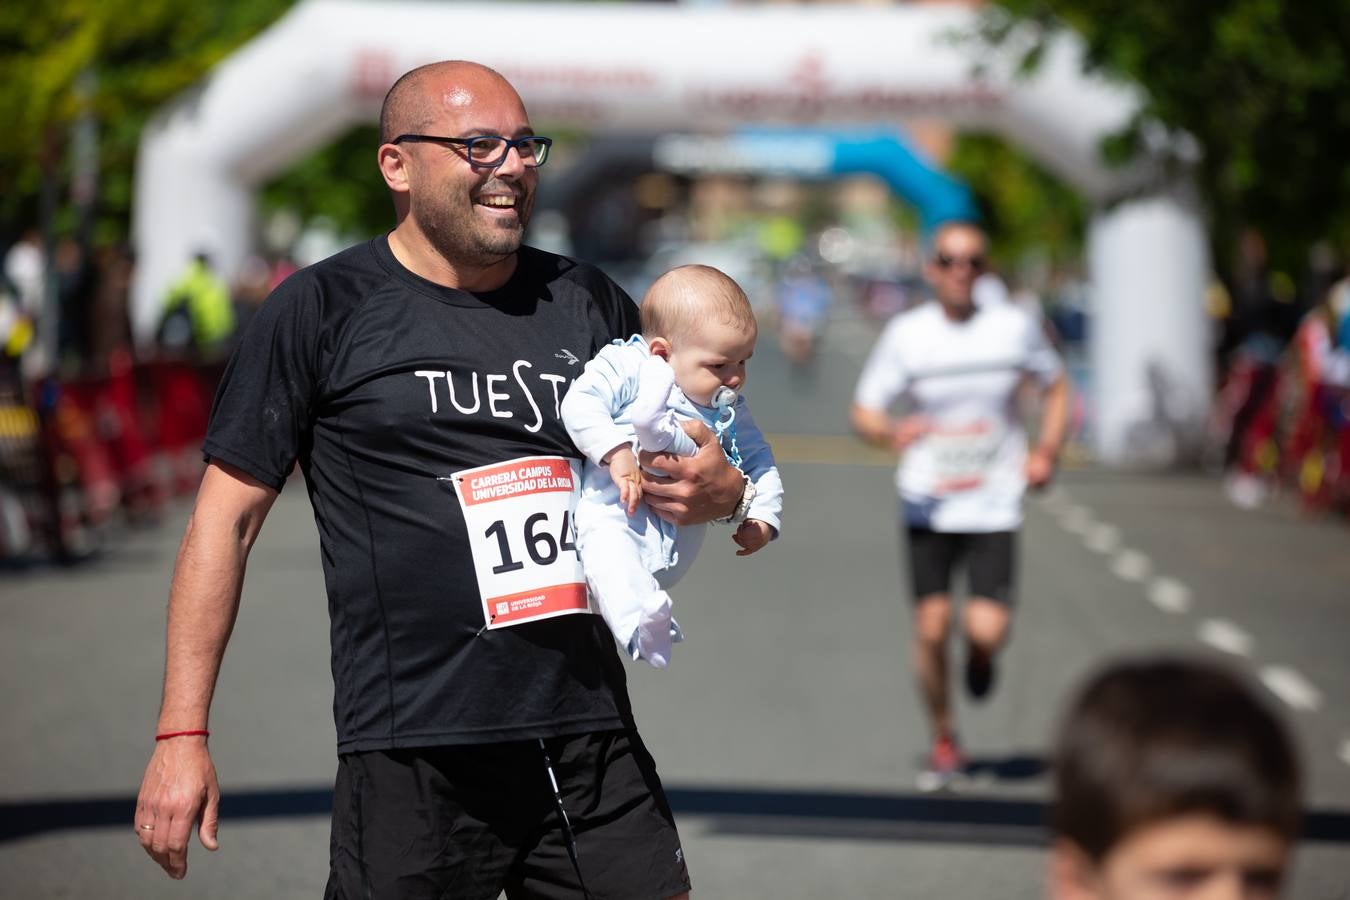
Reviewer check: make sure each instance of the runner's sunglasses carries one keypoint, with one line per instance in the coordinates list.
(943, 261)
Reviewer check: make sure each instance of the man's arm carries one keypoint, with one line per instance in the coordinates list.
(876, 427)
(1042, 457)
(692, 489)
(179, 789)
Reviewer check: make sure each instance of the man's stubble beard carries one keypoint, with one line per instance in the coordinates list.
(457, 234)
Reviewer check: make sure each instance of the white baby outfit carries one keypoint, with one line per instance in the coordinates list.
(629, 562)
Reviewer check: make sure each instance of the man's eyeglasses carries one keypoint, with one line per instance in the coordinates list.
(490, 149)
(944, 261)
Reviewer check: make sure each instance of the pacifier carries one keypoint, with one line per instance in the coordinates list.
(724, 397)
(724, 401)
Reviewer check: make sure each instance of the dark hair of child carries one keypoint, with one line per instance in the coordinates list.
(1155, 739)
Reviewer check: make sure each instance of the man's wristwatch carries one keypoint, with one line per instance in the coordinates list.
(742, 510)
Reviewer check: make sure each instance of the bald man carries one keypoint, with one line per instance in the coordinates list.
(484, 734)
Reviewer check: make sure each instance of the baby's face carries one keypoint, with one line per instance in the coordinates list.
(1193, 857)
(711, 356)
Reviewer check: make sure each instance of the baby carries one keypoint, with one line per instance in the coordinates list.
(698, 331)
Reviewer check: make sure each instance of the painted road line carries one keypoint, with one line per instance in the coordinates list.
(1291, 687)
(1054, 498)
(1076, 519)
(1169, 595)
(1224, 635)
(1131, 566)
(1345, 751)
(1102, 538)
(826, 449)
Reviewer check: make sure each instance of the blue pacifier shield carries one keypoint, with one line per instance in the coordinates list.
(724, 398)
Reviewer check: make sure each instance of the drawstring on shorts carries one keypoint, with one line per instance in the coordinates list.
(568, 835)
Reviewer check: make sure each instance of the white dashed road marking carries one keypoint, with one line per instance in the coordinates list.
(1224, 635)
(1170, 595)
(1102, 538)
(1076, 520)
(1132, 566)
(1291, 687)
(1053, 499)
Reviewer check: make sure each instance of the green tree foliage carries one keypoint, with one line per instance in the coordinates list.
(1264, 85)
(1028, 212)
(339, 183)
(135, 54)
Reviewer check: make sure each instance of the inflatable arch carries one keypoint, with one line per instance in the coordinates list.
(653, 69)
(805, 154)
(820, 153)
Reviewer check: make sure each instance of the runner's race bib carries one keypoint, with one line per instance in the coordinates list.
(963, 455)
(519, 516)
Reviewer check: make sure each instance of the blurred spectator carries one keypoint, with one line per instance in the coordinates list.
(116, 395)
(250, 290)
(802, 298)
(109, 320)
(25, 268)
(197, 317)
(20, 471)
(26, 271)
(283, 267)
(196, 324)
(1317, 453)
(1069, 307)
(1262, 318)
(16, 329)
(780, 237)
(1172, 779)
(74, 287)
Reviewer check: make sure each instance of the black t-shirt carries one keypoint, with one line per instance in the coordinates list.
(382, 384)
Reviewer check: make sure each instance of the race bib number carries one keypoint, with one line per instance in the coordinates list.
(519, 516)
(963, 455)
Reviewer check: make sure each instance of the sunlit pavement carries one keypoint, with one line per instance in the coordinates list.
(786, 728)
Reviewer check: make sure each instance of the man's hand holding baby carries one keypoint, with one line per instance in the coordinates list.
(691, 490)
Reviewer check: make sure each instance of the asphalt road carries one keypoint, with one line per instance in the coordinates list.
(787, 729)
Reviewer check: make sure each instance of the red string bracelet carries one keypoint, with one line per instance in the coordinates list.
(174, 734)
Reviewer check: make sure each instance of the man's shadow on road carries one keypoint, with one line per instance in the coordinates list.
(1011, 768)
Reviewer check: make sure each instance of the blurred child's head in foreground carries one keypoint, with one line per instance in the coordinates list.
(1173, 780)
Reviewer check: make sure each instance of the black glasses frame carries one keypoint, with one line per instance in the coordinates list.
(467, 144)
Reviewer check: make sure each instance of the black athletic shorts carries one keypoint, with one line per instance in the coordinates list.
(988, 558)
(467, 822)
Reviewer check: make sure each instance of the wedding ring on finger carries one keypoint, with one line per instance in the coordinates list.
(146, 827)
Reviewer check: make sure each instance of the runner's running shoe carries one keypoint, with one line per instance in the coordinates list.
(944, 766)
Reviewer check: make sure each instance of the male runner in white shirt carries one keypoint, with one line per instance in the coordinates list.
(957, 365)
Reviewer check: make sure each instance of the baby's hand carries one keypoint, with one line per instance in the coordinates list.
(623, 468)
(752, 535)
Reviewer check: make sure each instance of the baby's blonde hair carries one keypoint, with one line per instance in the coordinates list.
(686, 296)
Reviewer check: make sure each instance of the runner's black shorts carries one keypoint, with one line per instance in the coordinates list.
(469, 822)
(989, 559)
